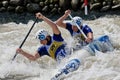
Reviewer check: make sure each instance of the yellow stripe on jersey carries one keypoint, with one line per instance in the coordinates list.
(53, 48)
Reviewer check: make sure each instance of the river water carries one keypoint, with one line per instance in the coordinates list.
(103, 66)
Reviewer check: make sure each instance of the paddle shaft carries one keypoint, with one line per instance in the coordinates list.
(78, 27)
(25, 38)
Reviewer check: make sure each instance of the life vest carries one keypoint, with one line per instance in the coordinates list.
(53, 48)
(79, 35)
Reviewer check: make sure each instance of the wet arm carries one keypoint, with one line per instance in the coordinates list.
(27, 55)
(50, 22)
(60, 22)
(89, 37)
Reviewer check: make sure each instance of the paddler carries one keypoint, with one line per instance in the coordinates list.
(52, 45)
(79, 39)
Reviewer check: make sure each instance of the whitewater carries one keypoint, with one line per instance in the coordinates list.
(102, 66)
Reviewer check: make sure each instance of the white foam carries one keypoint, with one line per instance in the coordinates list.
(103, 66)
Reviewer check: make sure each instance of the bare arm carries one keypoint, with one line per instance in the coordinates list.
(89, 37)
(48, 21)
(60, 22)
(27, 55)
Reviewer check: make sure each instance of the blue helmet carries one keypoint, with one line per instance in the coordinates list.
(78, 20)
(41, 34)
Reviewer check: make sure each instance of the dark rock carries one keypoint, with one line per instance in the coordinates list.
(110, 3)
(19, 9)
(45, 9)
(104, 3)
(115, 2)
(82, 7)
(47, 2)
(10, 8)
(95, 6)
(23, 2)
(5, 4)
(98, 1)
(60, 6)
(51, 1)
(56, 1)
(54, 10)
(36, 1)
(65, 4)
(1, 4)
(2, 9)
(56, 6)
(105, 8)
(33, 7)
(59, 10)
(41, 4)
(51, 6)
(14, 2)
(75, 4)
(116, 7)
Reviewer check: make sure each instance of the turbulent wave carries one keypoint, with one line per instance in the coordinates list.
(103, 66)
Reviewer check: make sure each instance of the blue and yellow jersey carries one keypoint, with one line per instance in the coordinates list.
(78, 35)
(85, 28)
(56, 49)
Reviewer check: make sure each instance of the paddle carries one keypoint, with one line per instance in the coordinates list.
(25, 38)
(78, 27)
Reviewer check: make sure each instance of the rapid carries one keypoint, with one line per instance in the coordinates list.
(102, 66)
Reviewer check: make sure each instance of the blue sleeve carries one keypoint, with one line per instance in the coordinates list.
(87, 29)
(69, 28)
(58, 37)
(42, 51)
